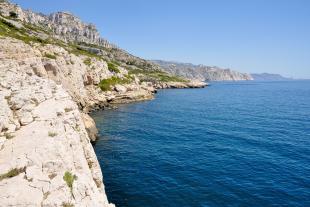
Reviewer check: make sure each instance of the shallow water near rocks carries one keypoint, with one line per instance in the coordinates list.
(230, 144)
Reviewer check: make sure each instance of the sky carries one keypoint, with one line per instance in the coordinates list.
(251, 36)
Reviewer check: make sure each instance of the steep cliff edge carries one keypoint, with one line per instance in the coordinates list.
(54, 69)
(202, 72)
(46, 158)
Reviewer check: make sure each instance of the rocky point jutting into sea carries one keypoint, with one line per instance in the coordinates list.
(54, 69)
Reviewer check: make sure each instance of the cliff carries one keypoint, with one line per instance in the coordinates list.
(54, 69)
(62, 25)
(269, 77)
(202, 72)
(43, 139)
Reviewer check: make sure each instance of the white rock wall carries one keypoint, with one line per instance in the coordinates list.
(42, 135)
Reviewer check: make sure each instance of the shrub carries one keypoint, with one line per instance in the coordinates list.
(106, 84)
(90, 163)
(50, 56)
(75, 49)
(156, 75)
(113, 67)
(52, 134)
(39, 40)
(87, 62)
(8, 24)
(8, 135)
(66, 204)
(36, 28)
(69, 178)
(68, 109)
(8, 29)
(12, 173)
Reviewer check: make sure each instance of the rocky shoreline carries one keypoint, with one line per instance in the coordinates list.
(45, 131)
(54, 70)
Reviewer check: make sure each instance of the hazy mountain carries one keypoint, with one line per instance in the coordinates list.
(269, 77)
(202, 72)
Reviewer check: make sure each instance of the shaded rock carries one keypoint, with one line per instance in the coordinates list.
(90, 126)
(26, 118)
(50, 68)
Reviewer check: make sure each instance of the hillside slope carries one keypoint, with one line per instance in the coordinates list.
(268, 77)
(201, 72)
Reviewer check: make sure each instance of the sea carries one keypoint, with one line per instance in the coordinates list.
(229, 144)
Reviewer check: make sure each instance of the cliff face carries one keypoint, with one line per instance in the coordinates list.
(202, 72)
(63, 25)
(43, 140)
(43, 133)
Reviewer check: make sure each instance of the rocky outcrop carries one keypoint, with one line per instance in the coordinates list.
(202, 72)
(46, 158)
(90, 127)
(79, 79)
(63, 25)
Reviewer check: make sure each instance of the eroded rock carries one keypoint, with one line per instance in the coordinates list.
(43, 135)
(90, 126)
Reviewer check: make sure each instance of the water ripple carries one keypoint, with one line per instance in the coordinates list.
(231, 144)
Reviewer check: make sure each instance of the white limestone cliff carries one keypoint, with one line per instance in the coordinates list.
(42, 137)
(64, 25)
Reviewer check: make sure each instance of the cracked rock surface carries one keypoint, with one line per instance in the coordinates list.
(42, 136)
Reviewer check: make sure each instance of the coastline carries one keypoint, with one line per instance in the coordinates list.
(46, 133)
(146, 152)
(226, 144)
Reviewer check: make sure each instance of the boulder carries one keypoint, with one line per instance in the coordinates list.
(120, 88)
(90, 126)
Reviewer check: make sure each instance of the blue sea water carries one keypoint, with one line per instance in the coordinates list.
(230, 144)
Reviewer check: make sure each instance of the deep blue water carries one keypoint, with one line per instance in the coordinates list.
(230, 144)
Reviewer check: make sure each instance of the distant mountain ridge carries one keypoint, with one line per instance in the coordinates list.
(269, 77)
(202, 72)
(63, 25)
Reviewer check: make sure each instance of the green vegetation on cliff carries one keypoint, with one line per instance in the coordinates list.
(107, 84)
(113, 67)
(12, 173)
(115, 57)
(8, 29)
(69, 178)
(50, 56)
(149, 75)
(87, 62)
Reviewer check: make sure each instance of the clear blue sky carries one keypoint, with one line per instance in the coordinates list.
(245, 35)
